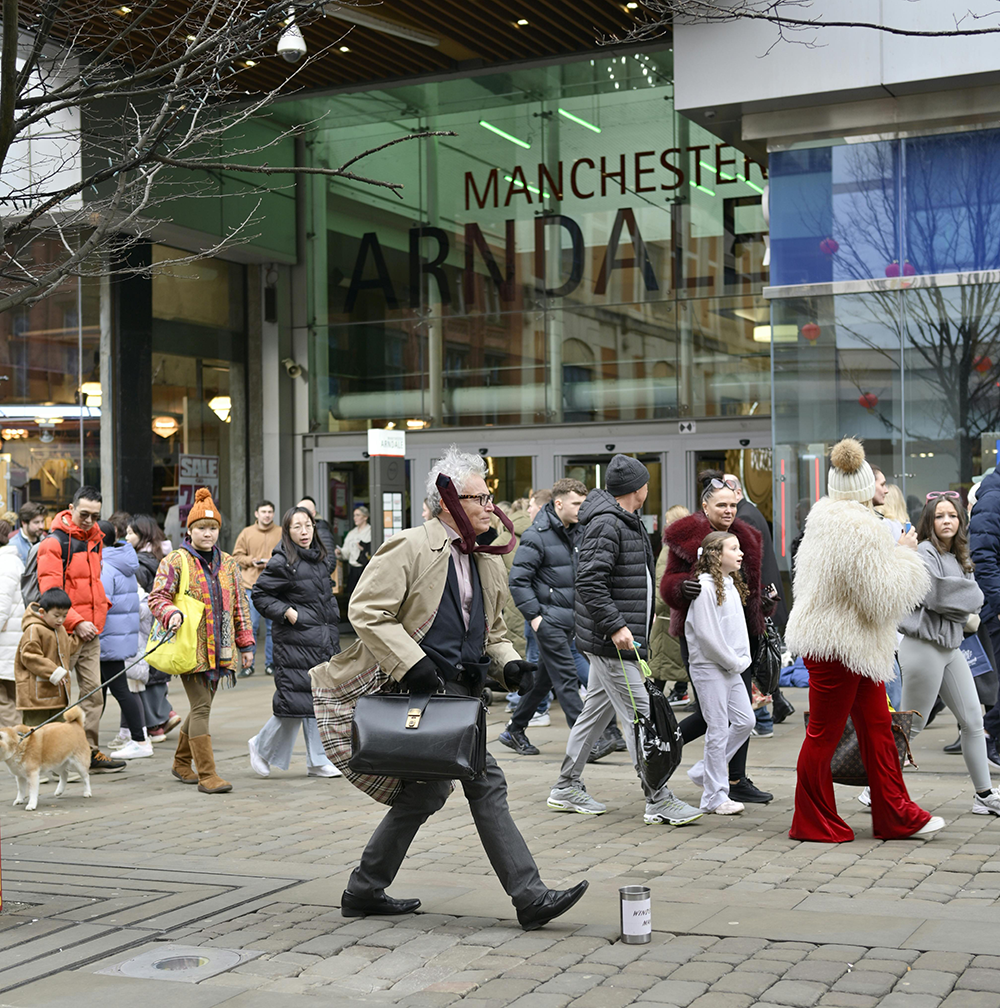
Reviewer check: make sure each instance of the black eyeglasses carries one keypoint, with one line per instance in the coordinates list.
(935, 494)
(483, 499)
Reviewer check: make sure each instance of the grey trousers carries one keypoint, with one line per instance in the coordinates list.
(276, 740)
(607, 696)
(929, 670)
(500, 837)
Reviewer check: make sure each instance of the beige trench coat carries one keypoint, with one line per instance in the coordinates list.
(395, 602)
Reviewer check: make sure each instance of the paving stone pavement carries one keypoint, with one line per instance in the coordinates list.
(741, 914)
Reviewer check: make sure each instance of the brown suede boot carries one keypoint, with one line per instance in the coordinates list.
(182, 768)
(208, 780)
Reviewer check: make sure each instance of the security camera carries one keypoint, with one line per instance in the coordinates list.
(484, 452)
(609, 447)
(744, 442)
(291, 44)
(294, 370)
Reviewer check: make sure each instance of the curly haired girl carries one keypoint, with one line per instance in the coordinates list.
(719, 652)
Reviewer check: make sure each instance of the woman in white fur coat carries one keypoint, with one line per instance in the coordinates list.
(853, 584)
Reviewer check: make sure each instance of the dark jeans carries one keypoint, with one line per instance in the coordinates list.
(128, 701)
(557, 671)
(501, 839)
(991, 721)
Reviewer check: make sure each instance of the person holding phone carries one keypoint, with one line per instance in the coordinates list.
(252, 551)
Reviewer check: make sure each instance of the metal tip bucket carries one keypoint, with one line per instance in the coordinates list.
(636, 914)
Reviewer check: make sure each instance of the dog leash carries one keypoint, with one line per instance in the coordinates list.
(59, 714)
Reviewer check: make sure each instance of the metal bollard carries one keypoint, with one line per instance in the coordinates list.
(637, 917)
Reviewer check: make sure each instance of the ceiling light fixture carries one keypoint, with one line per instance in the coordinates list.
(507, 136)
(380, 24)
(344, 48)
(249, 63)
(579, 121)
(521, 22)
(631, 6)
(165, 426)
(221, 406)
(123, 10)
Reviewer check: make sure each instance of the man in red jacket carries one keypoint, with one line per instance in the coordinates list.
(70, 558)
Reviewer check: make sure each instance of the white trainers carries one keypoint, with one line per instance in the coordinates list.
(123, 737)
(729, 807)
(672, 811)
(931, 826)
(258, 764)
(574, 799)
(990, 805)
(135, 750)
(866, 797)
(320, 771)
(540, 721)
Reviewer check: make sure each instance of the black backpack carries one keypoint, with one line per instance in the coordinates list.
(30, 591)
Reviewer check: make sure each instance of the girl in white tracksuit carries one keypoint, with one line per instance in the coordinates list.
(718, 653)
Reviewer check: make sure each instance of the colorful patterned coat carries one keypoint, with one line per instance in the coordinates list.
(225, 629)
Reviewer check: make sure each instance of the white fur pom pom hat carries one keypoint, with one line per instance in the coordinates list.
(851, 477)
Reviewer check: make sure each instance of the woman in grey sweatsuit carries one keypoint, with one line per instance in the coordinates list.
(929, 654)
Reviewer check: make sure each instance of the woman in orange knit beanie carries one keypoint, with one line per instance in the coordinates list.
(225, 637)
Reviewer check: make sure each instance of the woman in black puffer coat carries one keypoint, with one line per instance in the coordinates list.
(295, 593)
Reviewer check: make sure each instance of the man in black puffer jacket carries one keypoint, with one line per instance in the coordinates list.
(614, 613)
(541, 584)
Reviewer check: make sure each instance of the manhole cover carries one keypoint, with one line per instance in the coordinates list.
(185, 963)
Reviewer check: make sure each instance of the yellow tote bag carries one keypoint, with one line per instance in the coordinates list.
(179, 654)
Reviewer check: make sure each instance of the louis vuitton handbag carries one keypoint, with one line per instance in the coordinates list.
(846, 764)
(419, 736)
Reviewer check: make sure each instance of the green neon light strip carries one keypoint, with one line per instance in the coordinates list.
(737, 176)
(702, 188)
(531, 188)
(579, 121)
(500, 133)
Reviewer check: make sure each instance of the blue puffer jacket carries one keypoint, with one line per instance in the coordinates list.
(119, 567)
(544, 570)
(984, 543)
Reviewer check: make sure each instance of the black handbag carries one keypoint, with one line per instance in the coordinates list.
(765, 668)
(419, 737)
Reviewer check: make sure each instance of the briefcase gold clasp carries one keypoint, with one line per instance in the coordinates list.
(413, 717)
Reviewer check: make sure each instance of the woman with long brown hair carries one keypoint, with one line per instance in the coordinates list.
(929, 654)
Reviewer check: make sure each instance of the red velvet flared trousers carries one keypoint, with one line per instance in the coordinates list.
(834, 693)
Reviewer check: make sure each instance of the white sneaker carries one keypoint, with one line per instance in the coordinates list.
(540, 721)
(258, 764)
(931, 826)
(990, 805)
(728, 807)
(135, 750)
(319, 771)
(866, 797)
(123, 737)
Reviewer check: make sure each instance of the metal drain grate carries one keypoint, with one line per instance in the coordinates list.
(184, 963)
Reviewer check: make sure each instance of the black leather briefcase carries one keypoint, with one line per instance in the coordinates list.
(419, 737)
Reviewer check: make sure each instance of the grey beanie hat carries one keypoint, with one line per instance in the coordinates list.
(625, 475)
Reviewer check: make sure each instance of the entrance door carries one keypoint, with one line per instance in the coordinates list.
(592, 469)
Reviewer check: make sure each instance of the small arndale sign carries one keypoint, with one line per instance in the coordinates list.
(630, 176)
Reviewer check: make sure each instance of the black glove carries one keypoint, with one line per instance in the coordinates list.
(517, 675)
(690, 589)
(422, 678)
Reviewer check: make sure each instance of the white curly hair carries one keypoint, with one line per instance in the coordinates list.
(460, 466)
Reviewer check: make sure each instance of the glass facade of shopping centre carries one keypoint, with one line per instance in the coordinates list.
(885, 312)
(575, 252)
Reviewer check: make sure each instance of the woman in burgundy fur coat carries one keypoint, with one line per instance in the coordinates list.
(678, 588)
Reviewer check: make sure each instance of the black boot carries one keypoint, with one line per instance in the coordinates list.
(955, 748)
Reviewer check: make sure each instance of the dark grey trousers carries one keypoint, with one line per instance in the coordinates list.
(500, 837)
(556, 670)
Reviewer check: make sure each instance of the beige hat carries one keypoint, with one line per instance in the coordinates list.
(851, 477)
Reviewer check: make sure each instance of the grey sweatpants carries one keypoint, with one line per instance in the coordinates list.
(928, 670)
(607, 696)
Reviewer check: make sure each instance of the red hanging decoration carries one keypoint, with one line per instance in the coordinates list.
(982, 364)
(810, 331)
(908, 268)
(892, 270)
(868, 401)
(828, 246)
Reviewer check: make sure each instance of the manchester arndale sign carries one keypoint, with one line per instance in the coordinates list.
(637, 174)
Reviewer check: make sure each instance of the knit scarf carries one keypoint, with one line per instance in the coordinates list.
(205, 581)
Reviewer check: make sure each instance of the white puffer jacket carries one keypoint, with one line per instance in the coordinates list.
(853, 584)
(11, 608)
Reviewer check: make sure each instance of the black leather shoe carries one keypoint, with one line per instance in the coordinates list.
(935, 710)
(550, 906)
(375, 906)
(954, 748)
(620, 744)
(746, 791)
(781, 708)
